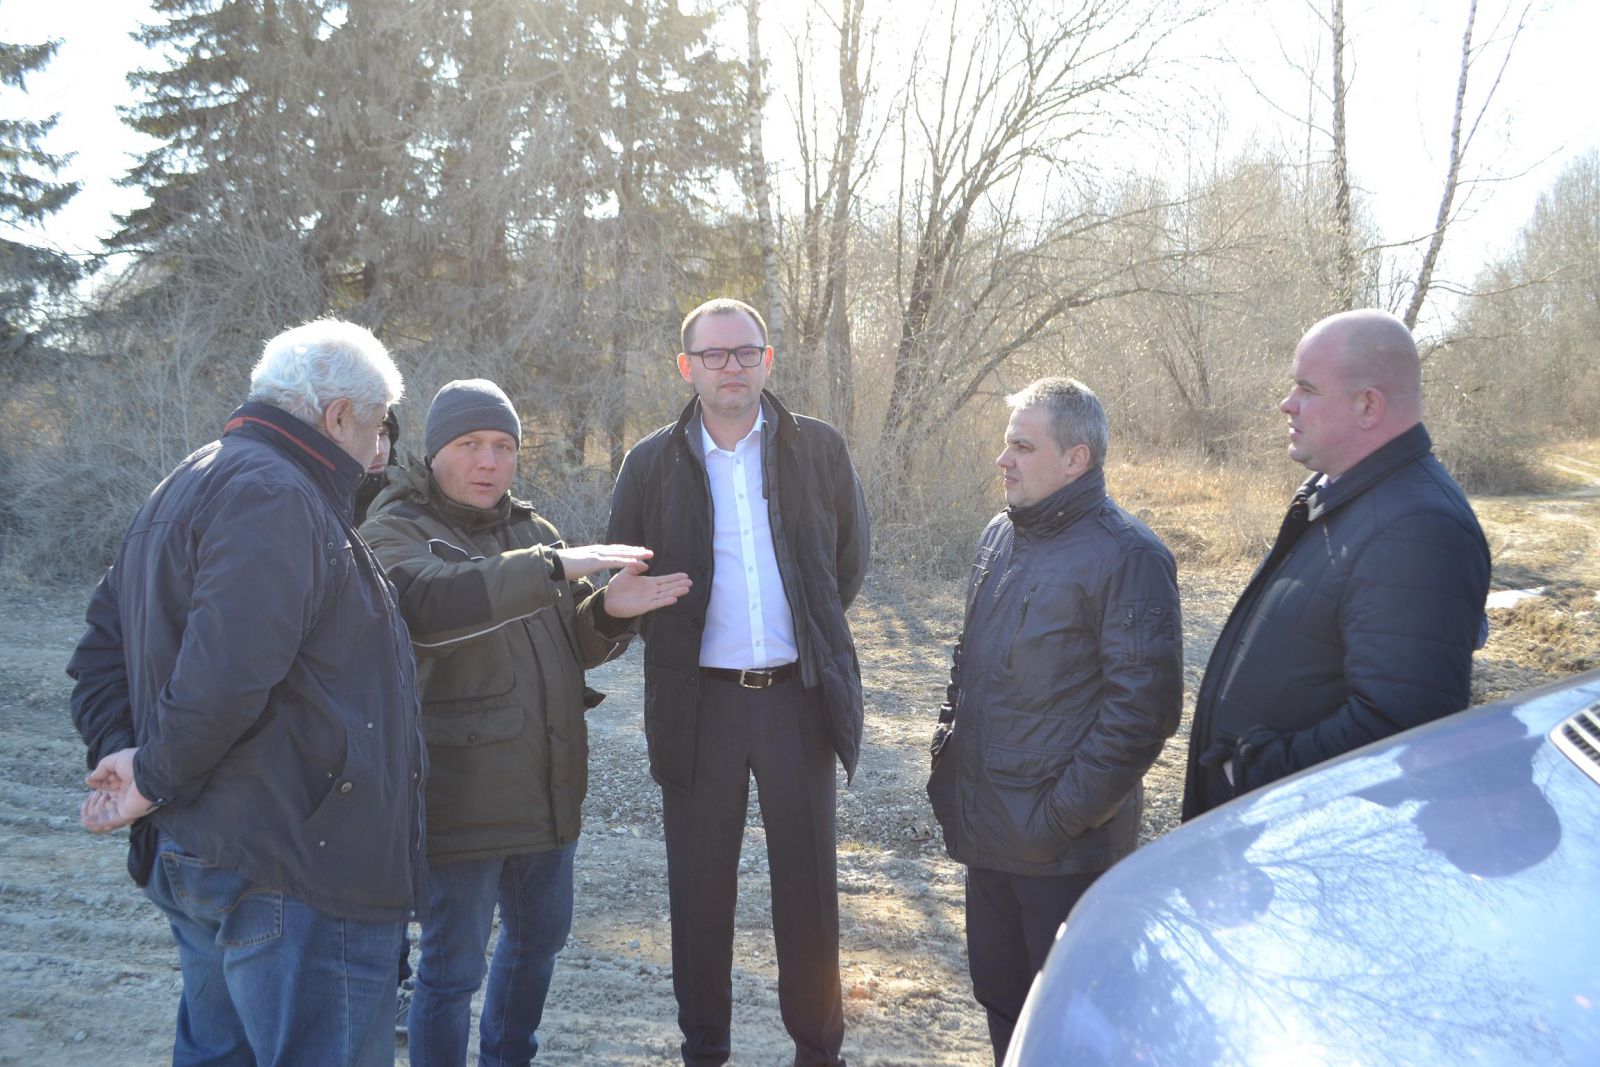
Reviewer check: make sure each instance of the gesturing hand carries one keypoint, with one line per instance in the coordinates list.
(631, 593)
(587, 560)
(115, 801)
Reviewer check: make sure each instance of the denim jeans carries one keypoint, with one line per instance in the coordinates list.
(534, 892)
(268, 979)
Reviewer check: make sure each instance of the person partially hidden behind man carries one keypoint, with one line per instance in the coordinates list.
(1066, 681)
(1362, 620)
(249, 702)
(504, 622)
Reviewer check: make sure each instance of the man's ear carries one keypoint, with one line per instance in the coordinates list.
(683, 366)
(1370, 407)
(339, 422)
(1078, 459)
(337, 418)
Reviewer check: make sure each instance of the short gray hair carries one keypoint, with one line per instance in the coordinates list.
(1076, 417)
(305, 369)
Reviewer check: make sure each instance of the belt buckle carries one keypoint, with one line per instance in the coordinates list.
(755, 679)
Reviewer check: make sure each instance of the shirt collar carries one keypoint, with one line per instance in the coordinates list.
(709, 446)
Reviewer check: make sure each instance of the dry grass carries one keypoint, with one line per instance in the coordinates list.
(1550, 542)
(1549, 633)
(1211, 515)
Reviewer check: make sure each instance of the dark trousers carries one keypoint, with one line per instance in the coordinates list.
(777, 734)
(1011, 923)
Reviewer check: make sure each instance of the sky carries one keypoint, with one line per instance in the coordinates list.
(1403, 73)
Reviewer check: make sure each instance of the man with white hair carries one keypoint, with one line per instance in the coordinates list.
(248, 697)
(1362, 620)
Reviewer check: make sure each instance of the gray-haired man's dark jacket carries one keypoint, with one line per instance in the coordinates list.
(1067, 681)
(246, 640)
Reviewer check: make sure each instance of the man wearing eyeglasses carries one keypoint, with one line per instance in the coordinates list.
(752, 672)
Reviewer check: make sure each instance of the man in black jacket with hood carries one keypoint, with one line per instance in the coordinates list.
(1362, 620)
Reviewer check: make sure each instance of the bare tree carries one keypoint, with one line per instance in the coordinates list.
(1460, 142)
(1342, 227)
(1462, 131)
(1012, 96)
(760, 185)
(834, 161)
(1523, 353)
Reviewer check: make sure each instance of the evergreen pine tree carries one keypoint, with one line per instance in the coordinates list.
(30, 273)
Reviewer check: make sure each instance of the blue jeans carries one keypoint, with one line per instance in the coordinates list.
(534, 891)
(268, 979)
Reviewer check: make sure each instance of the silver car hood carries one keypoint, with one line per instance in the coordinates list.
(1433, 898)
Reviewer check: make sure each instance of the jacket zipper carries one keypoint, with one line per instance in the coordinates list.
(1022, 620)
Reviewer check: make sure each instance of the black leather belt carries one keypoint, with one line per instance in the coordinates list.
(753, 679)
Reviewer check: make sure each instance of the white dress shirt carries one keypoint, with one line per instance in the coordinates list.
(748, 622)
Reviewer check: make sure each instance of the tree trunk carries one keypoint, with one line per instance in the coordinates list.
(760, 186)
(1343, 227)
(840, 356)
(1452, 177)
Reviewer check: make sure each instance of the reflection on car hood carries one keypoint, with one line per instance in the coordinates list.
(1429, 899)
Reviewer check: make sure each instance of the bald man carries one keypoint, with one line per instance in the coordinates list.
(1362, 620)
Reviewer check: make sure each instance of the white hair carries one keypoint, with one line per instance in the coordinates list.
(305, 369)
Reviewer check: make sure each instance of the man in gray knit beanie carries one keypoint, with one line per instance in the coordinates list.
(466, 405)
(504, 619)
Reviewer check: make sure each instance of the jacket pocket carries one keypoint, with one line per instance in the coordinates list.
(1151, 628)
(1054, 638)
(479, 726)
(978, 577)
(1019, 782)
(480, 775)
(479, 671)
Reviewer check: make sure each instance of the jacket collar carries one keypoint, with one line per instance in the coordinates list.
(1407, 448)
(1061, 508)
(325, 462)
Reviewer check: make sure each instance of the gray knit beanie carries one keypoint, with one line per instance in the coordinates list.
(465, 406)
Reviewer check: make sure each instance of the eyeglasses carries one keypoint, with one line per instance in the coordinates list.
(717, 358)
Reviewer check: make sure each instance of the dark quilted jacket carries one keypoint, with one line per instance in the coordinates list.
(1360, 627)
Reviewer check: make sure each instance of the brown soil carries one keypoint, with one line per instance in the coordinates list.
(88, 972)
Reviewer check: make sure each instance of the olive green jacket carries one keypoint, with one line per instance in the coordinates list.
(501, 648)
